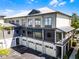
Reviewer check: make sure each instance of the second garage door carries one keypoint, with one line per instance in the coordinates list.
(31, 45)
(50, 51)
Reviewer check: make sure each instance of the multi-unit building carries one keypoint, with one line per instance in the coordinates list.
(43, 30)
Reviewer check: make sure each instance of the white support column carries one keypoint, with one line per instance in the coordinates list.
(43, 41)
(62, 36)
(62, 52)
(55, 36)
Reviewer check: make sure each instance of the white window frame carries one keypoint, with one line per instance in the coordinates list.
(48, 21)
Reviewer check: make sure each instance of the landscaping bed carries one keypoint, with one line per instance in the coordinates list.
(77, 55)
(68, 53)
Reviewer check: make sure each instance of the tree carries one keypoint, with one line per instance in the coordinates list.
(75, 21)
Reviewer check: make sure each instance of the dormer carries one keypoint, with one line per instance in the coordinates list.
(34, 11)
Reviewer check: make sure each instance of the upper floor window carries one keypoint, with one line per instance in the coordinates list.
(9, 21)
(17, 21)
(30, 22)
(13, 21)
(48, 21)
(37, 21)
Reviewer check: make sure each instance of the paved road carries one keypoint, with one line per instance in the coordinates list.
(24, 53)
(16, 55)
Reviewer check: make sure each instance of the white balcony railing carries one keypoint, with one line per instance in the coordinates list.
(64, 39)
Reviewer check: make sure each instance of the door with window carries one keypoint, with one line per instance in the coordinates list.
(17, 41)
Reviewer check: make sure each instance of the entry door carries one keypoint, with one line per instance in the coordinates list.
(58, 52)
(17, 41)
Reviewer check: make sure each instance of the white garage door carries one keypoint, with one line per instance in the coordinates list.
(24, 42)
(39, 47)
(50, 51)
(31, 45)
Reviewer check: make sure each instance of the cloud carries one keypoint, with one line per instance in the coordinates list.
(62, 3)
(32, 1)
(9, 12)
(71, 1)
(56, 3)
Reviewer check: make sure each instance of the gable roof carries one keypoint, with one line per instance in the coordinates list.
(26, 13)
(44, 10)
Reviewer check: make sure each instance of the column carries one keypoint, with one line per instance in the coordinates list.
(55, 35)
(62, 37)
(43, 41)
(62, 52)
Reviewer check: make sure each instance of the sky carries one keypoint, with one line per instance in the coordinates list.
(12, 7)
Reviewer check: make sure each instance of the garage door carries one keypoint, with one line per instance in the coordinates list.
(31, 45)
(39, 47)
(50, 51)
(24, 42)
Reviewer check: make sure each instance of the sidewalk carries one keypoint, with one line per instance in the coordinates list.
(74, 52)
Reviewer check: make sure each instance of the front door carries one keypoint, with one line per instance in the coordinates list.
(17, 41)
(58, 52)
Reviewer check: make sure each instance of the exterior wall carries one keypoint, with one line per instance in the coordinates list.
(1, 21)
(6, 35)
(1, 34)
(6, 39)
(14, 19)
(62, 21)
(44, 47)
(53, 19)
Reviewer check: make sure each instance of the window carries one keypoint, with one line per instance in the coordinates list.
(30, 22)
(17, 31)
(23, 31)
(49, 35)
(13, 21)
(17, 21)
(37, 21)
(9, 21)
(30, 33)
(58, 36)
(48, 21)
(9, 32)
(23, 22)
(38, 35)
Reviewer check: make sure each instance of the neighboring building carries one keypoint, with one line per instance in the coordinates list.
(44, 30)
(6, 34)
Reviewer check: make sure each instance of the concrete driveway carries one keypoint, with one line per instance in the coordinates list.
(21, 52)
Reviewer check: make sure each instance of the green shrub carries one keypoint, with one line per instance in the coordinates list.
(65, 57)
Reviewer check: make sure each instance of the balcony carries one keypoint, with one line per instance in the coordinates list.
(64, 40)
